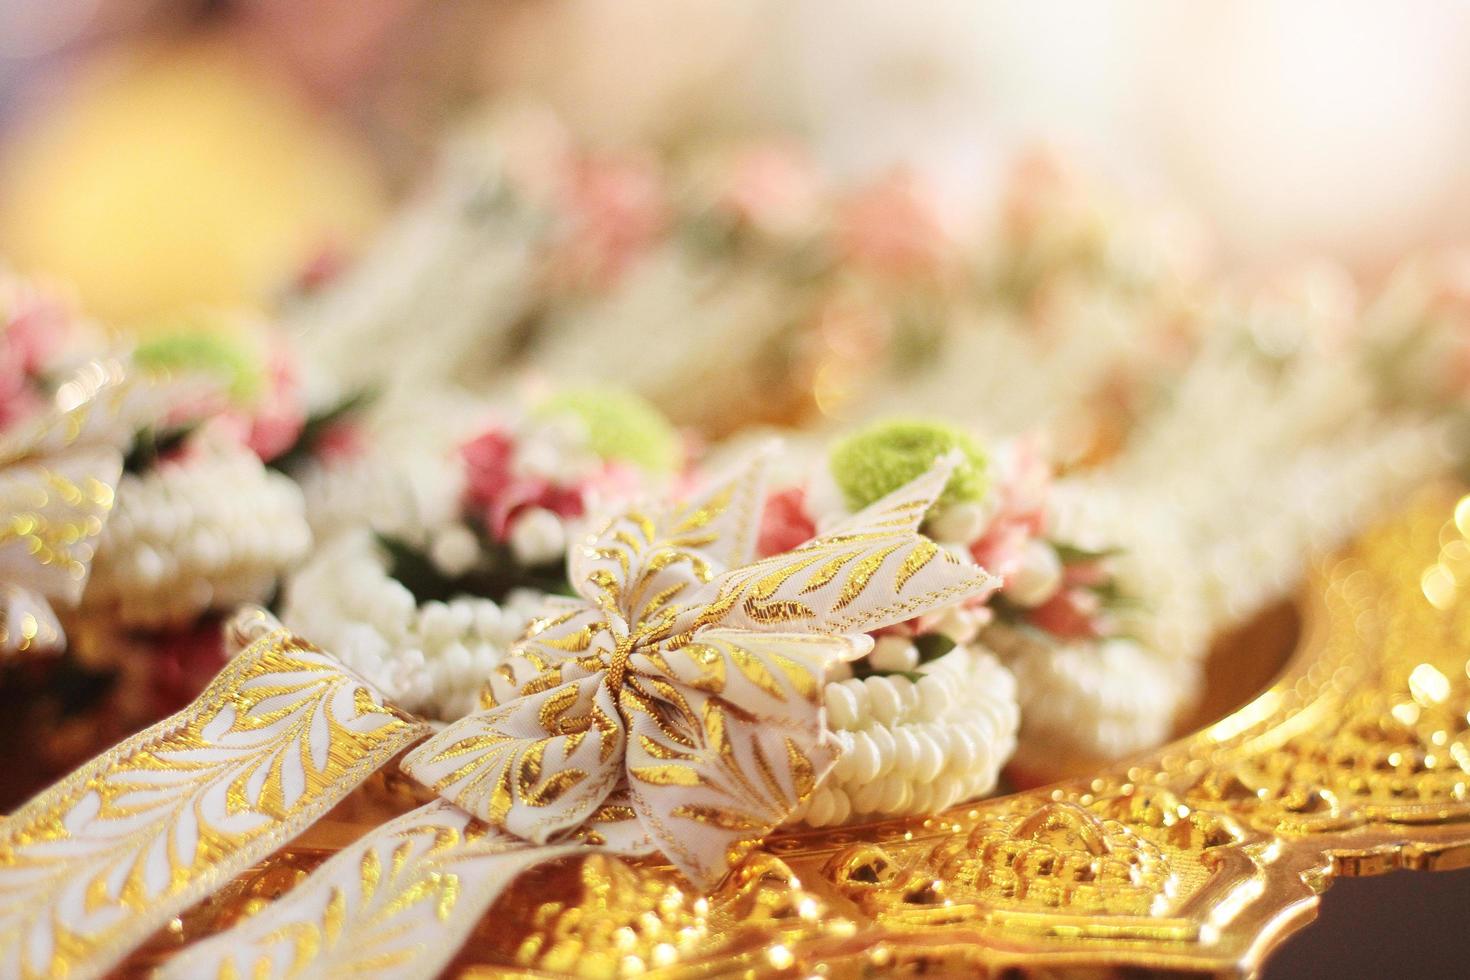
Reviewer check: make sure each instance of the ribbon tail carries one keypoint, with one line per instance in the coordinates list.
(27, 622)
(398, 904)
(98, 863)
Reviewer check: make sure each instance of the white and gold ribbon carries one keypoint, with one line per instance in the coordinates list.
(676, 705)
(58, 472)
(92, 867)
(397, 904)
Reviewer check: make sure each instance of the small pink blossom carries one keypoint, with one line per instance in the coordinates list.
(18, 397)
(1044, 189)
(1000, 550)
(276, 423)
(894, 228)
(1073, 613)
(339, 441)
(615, 209)
(773, 188)
(1087, 574)
(29, 340)
(1022, 496)
(498, 494)
(785, 523)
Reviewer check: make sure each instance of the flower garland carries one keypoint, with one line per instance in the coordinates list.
(426, 602)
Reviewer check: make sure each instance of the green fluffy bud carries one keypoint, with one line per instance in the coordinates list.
(209, 353)
(875, 461)
(620, 426)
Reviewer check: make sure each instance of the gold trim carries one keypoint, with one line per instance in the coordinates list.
(1200, 856)
(92, 867)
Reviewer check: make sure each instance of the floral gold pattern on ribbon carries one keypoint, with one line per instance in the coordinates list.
(644, 717)
(388, 906)
(93, 866)
(58, 472)
(694, 684)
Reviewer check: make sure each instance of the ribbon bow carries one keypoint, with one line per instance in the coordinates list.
(674, 705)
(684, 684)
(58, 472)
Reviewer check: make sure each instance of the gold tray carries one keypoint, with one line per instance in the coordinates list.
(1199, 857)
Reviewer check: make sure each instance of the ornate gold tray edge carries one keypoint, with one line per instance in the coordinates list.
(1199, 857)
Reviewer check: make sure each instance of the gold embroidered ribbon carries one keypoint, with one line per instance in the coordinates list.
(93, 866)
(395, 905)
(675, 706)
(58, 471)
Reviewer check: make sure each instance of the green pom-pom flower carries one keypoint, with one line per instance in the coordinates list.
(620, 426)
(206, 352)
(875, 461)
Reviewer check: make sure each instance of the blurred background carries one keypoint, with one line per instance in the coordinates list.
(157, 153)
(160, 155)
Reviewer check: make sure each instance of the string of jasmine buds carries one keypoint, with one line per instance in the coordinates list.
(916, 743)
(430, 658)
(211, 532)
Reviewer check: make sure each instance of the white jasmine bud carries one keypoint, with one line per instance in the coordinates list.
(957, 523)
(454, 549)
(538, 537)
(1039, 576)
(894, 654)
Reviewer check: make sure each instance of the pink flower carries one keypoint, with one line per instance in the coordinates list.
(18, 397)
(1021, 514)
(894, 228)
(1000, 549)
(1073, 613)
(785, 523)
(340, 441)
(487, 461)
(29, 340)
(615, 210)
(1044, 189)
(497, 494)
(34, 335)
(773, 188)
(277, 422)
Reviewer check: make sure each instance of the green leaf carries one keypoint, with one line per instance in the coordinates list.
(1072, 554)
(932, 646)
(150, 444)
(495, 577)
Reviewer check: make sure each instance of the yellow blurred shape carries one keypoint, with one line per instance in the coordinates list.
(1427, 685)
(173, 177)
(1438, 584)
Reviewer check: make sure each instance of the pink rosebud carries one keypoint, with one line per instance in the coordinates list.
(1000, 550)
(18, 398)
(785, 523)
(487, 466)
(322, 268)
(1071, 614)
(340, 441)
(498, 494)
(34, 334)
(277, 422)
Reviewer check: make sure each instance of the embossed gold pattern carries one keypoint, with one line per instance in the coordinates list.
(1200, 856)
(90, 868)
